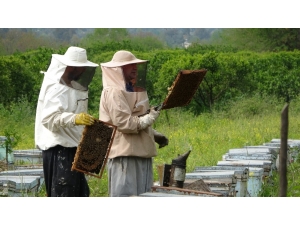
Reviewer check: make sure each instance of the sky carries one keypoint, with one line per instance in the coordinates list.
(149, 14)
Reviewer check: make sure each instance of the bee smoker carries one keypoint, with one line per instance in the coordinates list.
(174, 174)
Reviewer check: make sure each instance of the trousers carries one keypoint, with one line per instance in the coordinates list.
(60, 181)
(129, 176)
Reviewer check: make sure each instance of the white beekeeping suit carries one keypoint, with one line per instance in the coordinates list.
(60, 115)
(58, 103)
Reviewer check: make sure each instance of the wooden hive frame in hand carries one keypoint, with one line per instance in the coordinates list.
(93, 149)
(183, 88)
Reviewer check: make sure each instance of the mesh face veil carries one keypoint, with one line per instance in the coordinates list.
(85, 79)
(141, 80)
(138, 83)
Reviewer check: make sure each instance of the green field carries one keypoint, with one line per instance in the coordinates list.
(249, 121)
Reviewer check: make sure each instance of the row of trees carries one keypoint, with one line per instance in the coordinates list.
(23, 39)
(259, 39)
(253, 39)
(231, 71)
(230, 74)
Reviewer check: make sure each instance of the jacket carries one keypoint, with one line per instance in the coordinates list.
(122, 109)
(56, 109)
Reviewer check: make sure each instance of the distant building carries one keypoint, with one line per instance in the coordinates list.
(186, 44)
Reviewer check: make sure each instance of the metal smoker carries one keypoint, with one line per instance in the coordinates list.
(174, 174)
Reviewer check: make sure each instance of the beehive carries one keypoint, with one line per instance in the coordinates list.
(93, 149)
(183, 88)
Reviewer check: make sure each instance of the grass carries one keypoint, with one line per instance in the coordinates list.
(271, 188)
(249, 121)
(210, 137)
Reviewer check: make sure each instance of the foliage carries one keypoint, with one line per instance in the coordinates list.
(249, 106)
(197, 48)
(142, 45)
(157, 59)
(147, 42)
(21, 40)
(11, 140)
(229, 74)
(260, 39)
(168, 72)
(277, 74)
(15, 80)
(238, 102)
(18, 120)
(103, 35)
(95, 88)
(114, 39)
(246, 121)
(271, 188)
(20, 74)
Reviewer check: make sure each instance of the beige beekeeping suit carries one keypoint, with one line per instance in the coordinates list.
(122, 108)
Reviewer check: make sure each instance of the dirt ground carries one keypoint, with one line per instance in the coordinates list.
(198, 185)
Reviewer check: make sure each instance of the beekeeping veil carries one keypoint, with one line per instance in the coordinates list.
(122, 58)
(113, 78)
(75, 57)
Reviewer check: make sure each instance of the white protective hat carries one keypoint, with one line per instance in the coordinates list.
(122, 58)
(75, 56)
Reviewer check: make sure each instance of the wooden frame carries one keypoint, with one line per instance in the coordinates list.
(93, 149)
(183, 88)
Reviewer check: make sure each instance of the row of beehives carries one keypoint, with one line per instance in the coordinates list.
(21, 182)
(241, 173)
(24, 176)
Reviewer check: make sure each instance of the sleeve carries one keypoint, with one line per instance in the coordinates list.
(55, 113)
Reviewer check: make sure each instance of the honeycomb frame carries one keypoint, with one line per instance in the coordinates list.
(183, 88)
(93, 149)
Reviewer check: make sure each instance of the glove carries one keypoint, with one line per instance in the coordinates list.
(84, 119)
(160, 139)
(148, 119)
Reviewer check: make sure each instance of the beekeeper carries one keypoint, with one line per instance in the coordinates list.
(124, 103)
(60, 118)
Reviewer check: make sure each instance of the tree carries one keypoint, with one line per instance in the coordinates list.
(175, 37)
(260, 39)
(21, 40)
(10, 141)
(15, 80)
(102, 35)
(147, 41)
